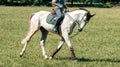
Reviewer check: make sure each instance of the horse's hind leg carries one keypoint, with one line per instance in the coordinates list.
(33, 28)
(42, 41)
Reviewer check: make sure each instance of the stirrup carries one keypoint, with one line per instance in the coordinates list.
(55, 29)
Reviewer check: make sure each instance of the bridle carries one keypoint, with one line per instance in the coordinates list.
(78, 22)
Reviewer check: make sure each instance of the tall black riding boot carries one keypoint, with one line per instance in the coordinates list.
(57, 24)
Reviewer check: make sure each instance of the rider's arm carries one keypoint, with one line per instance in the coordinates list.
(56, 4)
(66, 8)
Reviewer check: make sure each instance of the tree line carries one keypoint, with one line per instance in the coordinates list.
(48, 2)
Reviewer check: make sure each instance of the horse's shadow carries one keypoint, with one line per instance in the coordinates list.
(98, 60)
(93, 60)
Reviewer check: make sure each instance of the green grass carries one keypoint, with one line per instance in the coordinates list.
(98, 45)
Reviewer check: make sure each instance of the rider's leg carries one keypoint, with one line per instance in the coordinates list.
(57, 23)
(59, 16)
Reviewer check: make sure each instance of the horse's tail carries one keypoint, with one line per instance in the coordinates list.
(30, 17)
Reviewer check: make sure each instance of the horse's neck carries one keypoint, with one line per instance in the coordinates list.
(72, 17)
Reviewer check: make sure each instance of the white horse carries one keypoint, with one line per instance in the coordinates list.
(38, 21)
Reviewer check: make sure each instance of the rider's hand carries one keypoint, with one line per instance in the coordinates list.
(67, 10)
(60, 6)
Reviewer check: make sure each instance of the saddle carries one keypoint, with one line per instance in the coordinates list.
(52, 18)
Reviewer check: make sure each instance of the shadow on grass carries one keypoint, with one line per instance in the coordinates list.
(98, 60)
(91, 60)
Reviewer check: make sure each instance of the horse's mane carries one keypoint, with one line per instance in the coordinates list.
(83, 9)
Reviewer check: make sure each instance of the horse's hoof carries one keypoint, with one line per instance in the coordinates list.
(50, 58)
(75, 60)
(20, 55)
(46, 57)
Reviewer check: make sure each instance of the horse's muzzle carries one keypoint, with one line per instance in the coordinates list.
(80, 30)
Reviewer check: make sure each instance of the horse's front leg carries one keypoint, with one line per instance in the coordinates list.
(67, 40)
(42, 42)
(57, 49)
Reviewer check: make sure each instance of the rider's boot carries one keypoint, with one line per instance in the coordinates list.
(57, 24)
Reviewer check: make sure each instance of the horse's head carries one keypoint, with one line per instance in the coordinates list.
(83, 19)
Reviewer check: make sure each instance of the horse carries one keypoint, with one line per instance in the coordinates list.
(37, 21)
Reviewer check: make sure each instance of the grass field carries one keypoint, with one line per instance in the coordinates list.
(98, 45)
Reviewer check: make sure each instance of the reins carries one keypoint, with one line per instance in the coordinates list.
(76, 21)
(71, 17)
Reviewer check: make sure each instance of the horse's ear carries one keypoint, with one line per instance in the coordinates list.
(92, 15)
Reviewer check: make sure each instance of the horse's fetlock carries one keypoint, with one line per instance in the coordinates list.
(46, 57)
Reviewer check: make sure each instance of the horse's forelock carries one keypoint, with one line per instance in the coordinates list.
(88, 13)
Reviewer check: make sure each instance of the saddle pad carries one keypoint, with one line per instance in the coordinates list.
(51, 19)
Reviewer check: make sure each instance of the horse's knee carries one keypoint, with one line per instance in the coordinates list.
(23, 41)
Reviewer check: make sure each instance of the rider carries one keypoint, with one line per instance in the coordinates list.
(60, 5)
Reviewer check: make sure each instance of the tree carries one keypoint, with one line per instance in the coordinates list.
(104, 1)
(91, 2)
(72, 2)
